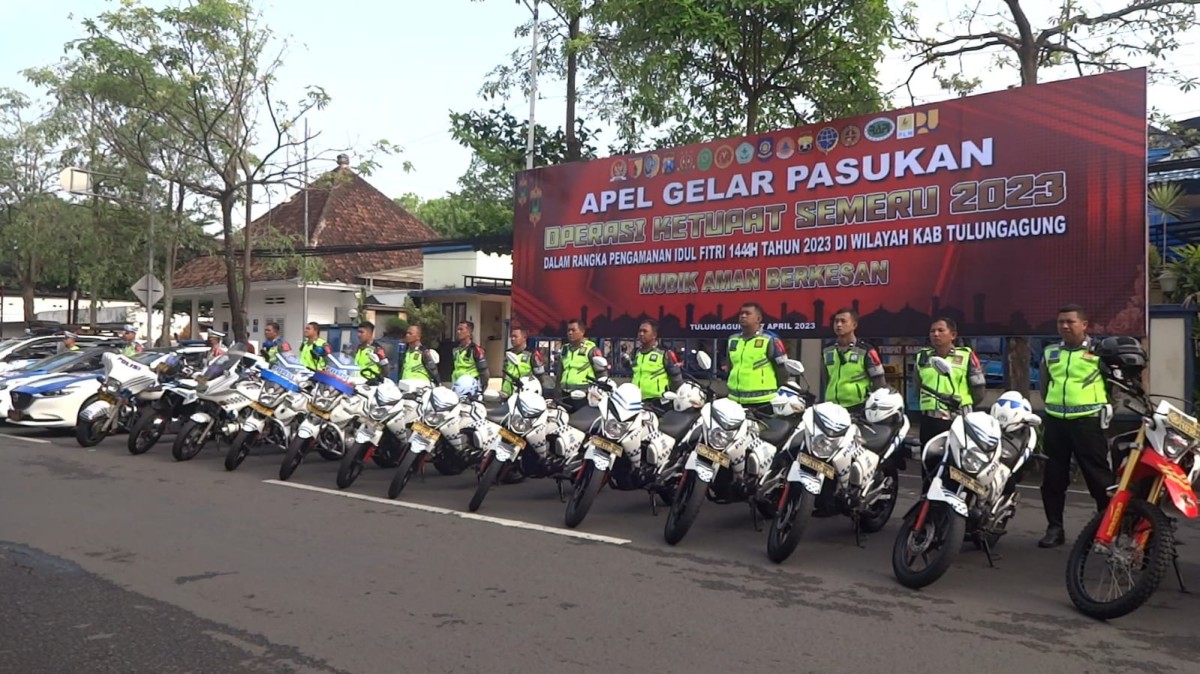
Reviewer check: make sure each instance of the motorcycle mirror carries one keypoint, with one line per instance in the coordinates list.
(433, 355)
(490, 396)
(1034, 420)
(600, 363)
(669, 395)
(941, 365)
(793, 366)
(704, 360)
(512, 357)
(578, 395)
(373, 356)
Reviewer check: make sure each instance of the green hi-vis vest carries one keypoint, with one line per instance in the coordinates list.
(577, 364)
(307, 359)
(1075, 388)
(956, 383)
(362, 358)
(849, 382)
(414, 365)
(464, 363)
(650, 373)
(751, 375)
(522, 368)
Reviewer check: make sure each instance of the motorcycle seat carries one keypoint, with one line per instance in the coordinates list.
(876, 437)
(674, 423)
(497, 414)
(584, 418)
(1012, 445)
(778, 429)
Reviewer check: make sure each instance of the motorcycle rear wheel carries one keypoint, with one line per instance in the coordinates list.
(684, 508)
(145, 433)
(789, 523)
(941, 536)
(189, 442)
(1157, 555)
(877, 517)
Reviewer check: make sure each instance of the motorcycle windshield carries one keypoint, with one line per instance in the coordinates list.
(123, 368)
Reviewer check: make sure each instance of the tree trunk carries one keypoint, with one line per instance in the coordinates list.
(573, 149)
(1019, 361)
(231, 281)
(243, 333)
(94, 304)
(1028, 55)
(27, 290)
(173, 227)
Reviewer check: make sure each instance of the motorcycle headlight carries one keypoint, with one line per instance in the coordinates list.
(519, 424)
(270, 395)
(1175, 445)
(615, 429)
(433, 418)
(719, 438)
(325, 398)
(111, 386)
(823, 446)
(379, 412)
(973, 460)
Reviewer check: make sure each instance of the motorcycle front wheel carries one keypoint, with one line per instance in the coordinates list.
(146, 432)
(684, 508)
(294, 455)
(936, 544)
(789, 523)
(90, 433)
(352, 464)
(403, 473)
(1145, 545)
(486, 479)
(240, 449)
(583, 494)
(192, 438)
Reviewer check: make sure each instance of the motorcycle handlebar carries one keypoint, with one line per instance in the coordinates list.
(950, 399)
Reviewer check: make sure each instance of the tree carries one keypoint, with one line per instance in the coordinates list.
(1089, 40)
(191, 83)
(1068, 34)
(712, 68)
(429, 317)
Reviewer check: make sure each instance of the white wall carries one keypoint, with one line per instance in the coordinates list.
(1167, 348)
(446, 270)
(265, 305)
(14, 306)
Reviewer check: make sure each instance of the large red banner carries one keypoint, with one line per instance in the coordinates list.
(994, 210)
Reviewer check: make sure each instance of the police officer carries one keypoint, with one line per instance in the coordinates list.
(371, 368)
(69, 342)
(215, 348)
(655, 369)
(469, 358)
(528, 363)
(754, 360)
(418, 362)
(132, 346)
(314, 348)
(1077, 412)
(966, 379)
(575, 364)
(274, 344)
(852, 365)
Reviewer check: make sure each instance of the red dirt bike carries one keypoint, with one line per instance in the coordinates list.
(1133, 538)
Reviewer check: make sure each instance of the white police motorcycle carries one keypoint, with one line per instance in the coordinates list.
(274, 416)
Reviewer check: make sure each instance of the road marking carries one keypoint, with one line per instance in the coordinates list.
(26, 439)
(1020, 486)
(515, 524)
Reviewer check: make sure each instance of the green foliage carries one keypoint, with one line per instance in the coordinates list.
(429, 317)
(395, 326)
(1065, 33)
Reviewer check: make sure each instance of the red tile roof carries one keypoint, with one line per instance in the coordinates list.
(343, 209)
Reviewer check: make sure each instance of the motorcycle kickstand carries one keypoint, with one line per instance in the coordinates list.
(754, 517)
(654, 505)
(987, 549)
(562, 493)
(1179, 574)
(857, 530)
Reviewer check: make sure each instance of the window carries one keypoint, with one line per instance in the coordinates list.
(447, 321)
(276, 299)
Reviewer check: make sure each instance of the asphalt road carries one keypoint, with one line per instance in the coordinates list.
(116, 563)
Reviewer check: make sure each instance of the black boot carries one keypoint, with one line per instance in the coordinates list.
(1055, 536)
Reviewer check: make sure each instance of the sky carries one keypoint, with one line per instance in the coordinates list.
(396, 68)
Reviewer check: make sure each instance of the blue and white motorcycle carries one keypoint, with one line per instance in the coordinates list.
(275, 415)
(335, 408)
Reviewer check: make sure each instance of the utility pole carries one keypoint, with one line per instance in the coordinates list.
(533, 62)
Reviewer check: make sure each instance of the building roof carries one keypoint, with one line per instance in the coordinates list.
(343, 210)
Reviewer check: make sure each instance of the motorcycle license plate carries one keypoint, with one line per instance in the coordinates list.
(15, 415)
(966, 480)
(817, 465)
(607, 445)
(319, 412)
(713, 455)
(262, 409)
(512, 438)
(430, 434)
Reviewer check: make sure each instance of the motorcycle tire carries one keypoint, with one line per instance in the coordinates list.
(89, 433)
(877, 518)
(352, 464)
(1158, 556)
(944, 529)
(583, 494)
(789, 523)
(485, 483)
(145, 433)
(296, 450)
(684, 508)
(389, 452)
(239, 449)
(403, 473)
(189, 443)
